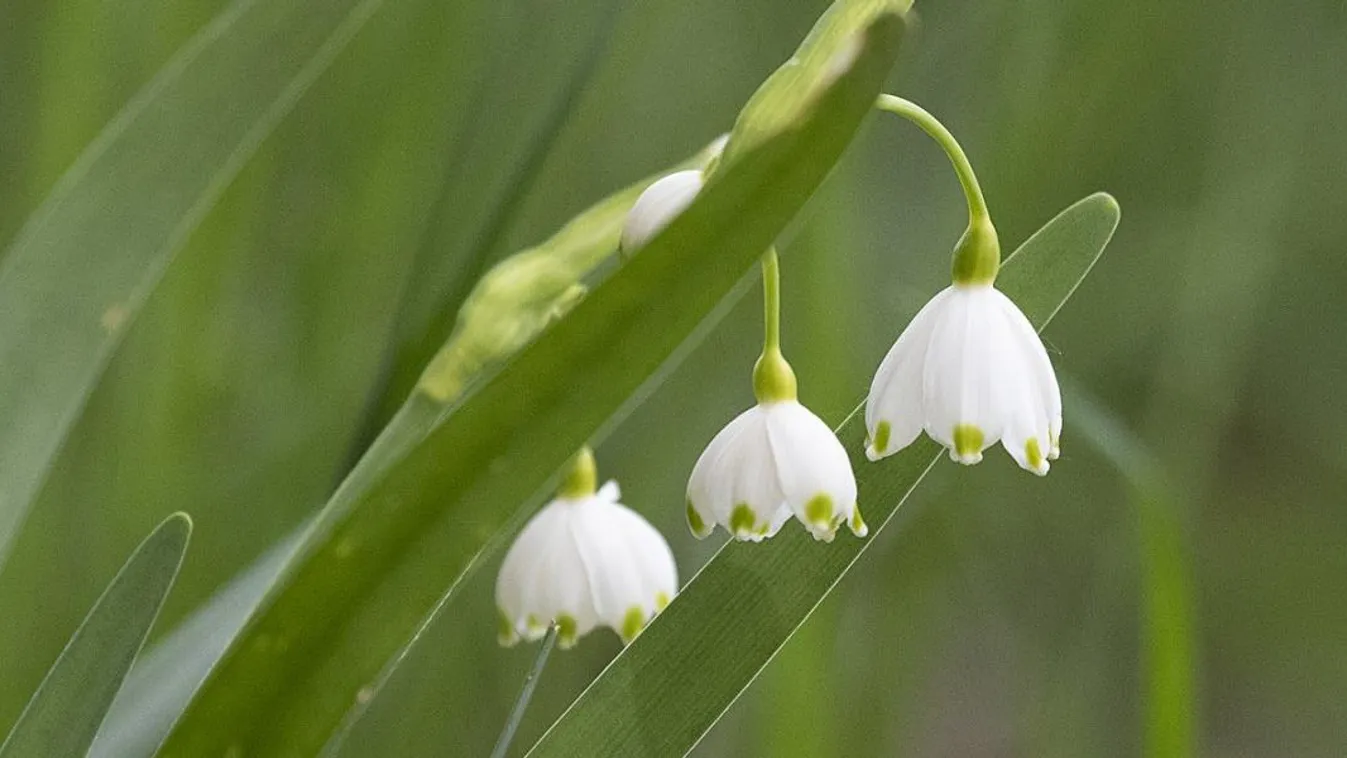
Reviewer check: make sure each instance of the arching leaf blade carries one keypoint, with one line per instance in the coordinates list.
(86, 261)
(67, 709)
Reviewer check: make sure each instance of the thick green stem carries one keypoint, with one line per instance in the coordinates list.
(526, 694)
(773, 379)
(977, 257)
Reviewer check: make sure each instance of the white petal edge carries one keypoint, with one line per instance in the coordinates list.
(958, 381)
(896, 390)
(708, 493)
(812, 468)
(1045, 377)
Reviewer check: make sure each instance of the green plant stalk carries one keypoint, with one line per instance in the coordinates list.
(588, 242)
(521, 704)
(977, 256)
(773, 378)
(1167, 645)
(977, 204)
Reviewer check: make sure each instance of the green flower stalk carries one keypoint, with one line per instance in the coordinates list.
(969, 369)
(776, 459)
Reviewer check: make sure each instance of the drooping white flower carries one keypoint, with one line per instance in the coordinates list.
(774, 460)
(661, 202)
(969, 370)
(582, 562)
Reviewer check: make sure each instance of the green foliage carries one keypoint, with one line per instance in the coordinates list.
(420, 507)
(82, 267)
(748, 600)
(65, 712)
(1167, 633)
(306, 287)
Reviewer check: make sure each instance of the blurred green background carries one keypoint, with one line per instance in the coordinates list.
(999, 614)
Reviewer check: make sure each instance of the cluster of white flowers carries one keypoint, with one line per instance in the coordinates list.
(969, 370)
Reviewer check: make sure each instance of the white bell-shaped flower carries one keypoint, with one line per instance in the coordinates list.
(970, 370)
(661, 202)
(774, 460)
(583, 561)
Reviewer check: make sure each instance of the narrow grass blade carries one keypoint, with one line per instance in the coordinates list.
(67, 709)
(676, 680)
(1167, 655)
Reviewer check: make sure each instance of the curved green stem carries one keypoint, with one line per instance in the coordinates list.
(977, 257)
(773, 379)
(977, 204)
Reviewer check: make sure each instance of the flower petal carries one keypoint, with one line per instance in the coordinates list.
(521, 563)
(965, 409)
(734, 482)
(612, 562)
(1048, 392)
(559, 590)
(893, 411)
(1026, 423)
(754, 489)
(812, 467)
(640, 576)
(709, 489)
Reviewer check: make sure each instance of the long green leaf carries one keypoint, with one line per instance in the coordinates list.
(68, 707)
(417, 512)
(1167, 656)
(485, 180)
(160, 686)
(669, 687)
(164, 678)
(86, 261)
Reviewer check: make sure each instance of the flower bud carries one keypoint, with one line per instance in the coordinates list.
(657, 206)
